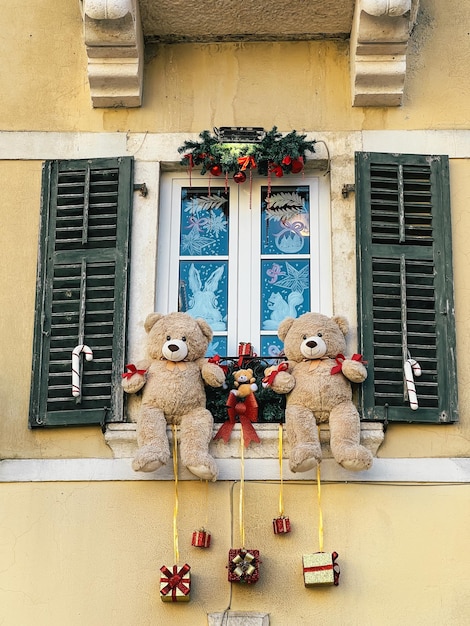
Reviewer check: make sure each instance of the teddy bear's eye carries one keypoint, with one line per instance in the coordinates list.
(183, 338)
(304, 337)
(168, 337)
(320, 335)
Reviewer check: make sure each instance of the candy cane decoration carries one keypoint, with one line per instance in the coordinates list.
(411, 367)
(76, 366)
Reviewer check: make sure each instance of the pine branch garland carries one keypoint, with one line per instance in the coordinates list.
(275, 154)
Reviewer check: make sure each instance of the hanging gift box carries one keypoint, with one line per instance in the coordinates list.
(243, 566)
(245, 349)
(281, 525)
(201, 538)
(320, 568)
(175, 585)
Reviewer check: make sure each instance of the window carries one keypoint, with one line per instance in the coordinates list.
(244, 257)
(406, 309)
(81, 297)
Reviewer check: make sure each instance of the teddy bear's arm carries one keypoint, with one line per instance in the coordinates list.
(134, 382)
(284, 380)
(212, 374)
(354, 371)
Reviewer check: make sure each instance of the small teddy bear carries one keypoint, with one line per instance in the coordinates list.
(244, 384)
(317, 381)
(172, 380)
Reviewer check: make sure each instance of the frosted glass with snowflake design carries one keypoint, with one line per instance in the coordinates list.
(204, 222)
(285, 220)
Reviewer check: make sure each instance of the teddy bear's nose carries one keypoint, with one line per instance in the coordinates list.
(173, 347)
(311, 344)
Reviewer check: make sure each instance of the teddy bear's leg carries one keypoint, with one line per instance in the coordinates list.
(196, 434)
(154, 449)
(345, 432)
(302, 432)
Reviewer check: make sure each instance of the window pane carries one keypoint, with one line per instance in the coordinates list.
(204, 221)
(285, 290)
(203, 291)
(285, 220)
(271, 345)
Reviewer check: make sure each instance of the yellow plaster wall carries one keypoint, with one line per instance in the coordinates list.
(191, 87)
(188, 88)
(90, 553)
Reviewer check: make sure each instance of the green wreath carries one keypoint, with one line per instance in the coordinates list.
(274, 155)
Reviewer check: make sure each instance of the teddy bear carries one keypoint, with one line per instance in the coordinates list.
(244, 383)
(172, 381)
(317, 380)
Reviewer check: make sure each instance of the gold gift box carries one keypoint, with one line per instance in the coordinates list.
(320, 568)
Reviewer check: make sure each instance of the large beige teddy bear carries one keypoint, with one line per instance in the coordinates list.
(318, 387)
(172, 380)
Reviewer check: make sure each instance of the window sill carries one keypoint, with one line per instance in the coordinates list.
(121, 438)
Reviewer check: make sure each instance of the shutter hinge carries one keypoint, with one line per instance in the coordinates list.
(347, 189)
(385, 422)
(104, 421)
(142, 189)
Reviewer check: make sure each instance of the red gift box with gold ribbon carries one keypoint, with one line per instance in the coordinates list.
(175, 585)
(201, 538)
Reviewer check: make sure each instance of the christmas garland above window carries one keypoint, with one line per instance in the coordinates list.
(274, 155)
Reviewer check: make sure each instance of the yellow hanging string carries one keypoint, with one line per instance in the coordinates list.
(320, 514)
(206, 500)
(281, 493)
(242, 489)
(175, 510)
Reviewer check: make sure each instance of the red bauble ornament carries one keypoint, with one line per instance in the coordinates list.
(239, 177)
(297, 166)
(216, 170)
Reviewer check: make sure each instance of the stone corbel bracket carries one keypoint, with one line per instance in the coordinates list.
(379, 41)
(115, 50)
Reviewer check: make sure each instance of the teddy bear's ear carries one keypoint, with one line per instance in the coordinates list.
(342, 322)
(206, 329)
(284, 327)
(151, 320)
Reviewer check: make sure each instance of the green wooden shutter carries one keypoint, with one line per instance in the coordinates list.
(81, 295)
(406, 306)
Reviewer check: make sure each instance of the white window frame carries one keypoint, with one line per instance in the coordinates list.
(244, 237)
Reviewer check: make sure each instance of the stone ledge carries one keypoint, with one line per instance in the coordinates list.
(121, 438)
(238, 618)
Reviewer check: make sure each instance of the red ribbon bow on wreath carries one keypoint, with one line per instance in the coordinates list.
(246, 162)
(336, 369)
(132, 370)
(247, 412)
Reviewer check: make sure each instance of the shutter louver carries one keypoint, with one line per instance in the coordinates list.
(83, 291)
(406, 309)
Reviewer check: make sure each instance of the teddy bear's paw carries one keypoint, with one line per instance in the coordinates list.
(205, 471)
(304, 457)
(357, 459)
(147, 459)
